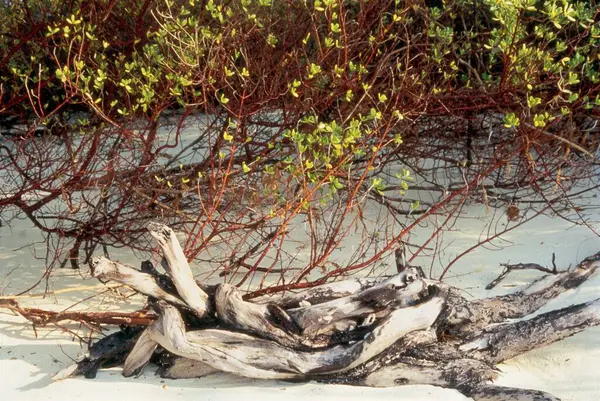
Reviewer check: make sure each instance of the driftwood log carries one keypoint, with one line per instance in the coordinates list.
(404, 329)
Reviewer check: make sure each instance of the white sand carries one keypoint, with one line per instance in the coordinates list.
(569, 369)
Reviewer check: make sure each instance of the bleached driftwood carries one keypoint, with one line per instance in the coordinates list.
(179, 269)
(105, 269)
(177, 367)
(313, 326)
(373, 332)
(323, 293)
(140, 354)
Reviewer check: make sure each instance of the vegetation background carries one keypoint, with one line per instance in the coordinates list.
(241, 122)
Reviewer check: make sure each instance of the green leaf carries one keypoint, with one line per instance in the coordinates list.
(374, 114)
(539, 120)
(398, 115)
(314, 69)
(305, 40)
(272, 40)
(533, 101)
(511, 120)
(378, 185)
(573, 78)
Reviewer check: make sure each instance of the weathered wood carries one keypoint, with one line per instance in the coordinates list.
(399, 323)
(325, 324)
(140, 354)
(403, 329)
(320, 294)
(473, 316)
(500, 393)
(362, 310)
(105, 269)
(462, 374)
(177, 367)
(254, 357)
(266, 320)
(107, 352)
(225, 351)
(179, 269)
(499, 343)
(365, 307)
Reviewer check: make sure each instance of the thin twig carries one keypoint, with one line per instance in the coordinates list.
(521, 266)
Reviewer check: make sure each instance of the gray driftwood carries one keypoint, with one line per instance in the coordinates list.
(105, 269)
(179, 270)
(404, 329)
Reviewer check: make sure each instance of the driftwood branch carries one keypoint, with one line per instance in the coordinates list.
(105, 269)
(140, 354)
(322, 293)
(258, 358)
(499, 343)
(403, 329)
(476, 315)
(179, 269)
(177, 367)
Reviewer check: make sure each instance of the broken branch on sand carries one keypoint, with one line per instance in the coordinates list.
(43, 317)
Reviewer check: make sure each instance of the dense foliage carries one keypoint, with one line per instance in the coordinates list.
(292, 110)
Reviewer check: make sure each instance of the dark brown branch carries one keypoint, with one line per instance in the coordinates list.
(42, 317)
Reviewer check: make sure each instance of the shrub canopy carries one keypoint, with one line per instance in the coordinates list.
(306, 106)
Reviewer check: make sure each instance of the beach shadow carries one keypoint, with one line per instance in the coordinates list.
(52, 352)
(46, 358)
